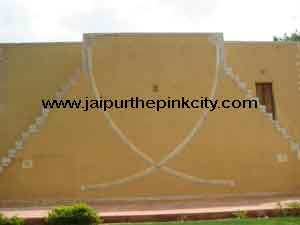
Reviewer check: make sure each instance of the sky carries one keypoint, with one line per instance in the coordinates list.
(66, 20)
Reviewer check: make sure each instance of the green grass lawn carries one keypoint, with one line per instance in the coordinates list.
(268, 221)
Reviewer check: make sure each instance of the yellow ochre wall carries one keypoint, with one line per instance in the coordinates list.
(74, 148)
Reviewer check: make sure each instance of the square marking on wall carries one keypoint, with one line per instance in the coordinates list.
(282, 158)
(27, 164)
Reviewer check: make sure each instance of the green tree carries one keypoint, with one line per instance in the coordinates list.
(295, 36)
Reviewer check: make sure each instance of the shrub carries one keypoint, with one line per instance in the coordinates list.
(293, 205)
(78, 214)
(294, 208)
(289, 209)
(240, 215)
(11, 221)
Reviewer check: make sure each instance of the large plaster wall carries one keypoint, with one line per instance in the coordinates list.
(75, 148)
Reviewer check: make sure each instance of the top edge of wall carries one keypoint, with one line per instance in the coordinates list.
(154, 34)
(262, 42)
(12, 44)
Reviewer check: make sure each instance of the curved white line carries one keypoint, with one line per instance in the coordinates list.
(177, 150)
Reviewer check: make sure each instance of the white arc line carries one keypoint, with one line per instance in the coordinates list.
(177, 150)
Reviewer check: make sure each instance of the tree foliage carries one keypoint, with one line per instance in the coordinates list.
(295, 36)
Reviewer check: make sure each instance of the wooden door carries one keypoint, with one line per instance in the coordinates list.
(264, 92)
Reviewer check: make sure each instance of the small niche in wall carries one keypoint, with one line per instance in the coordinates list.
(262, 71)
(155, 88)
